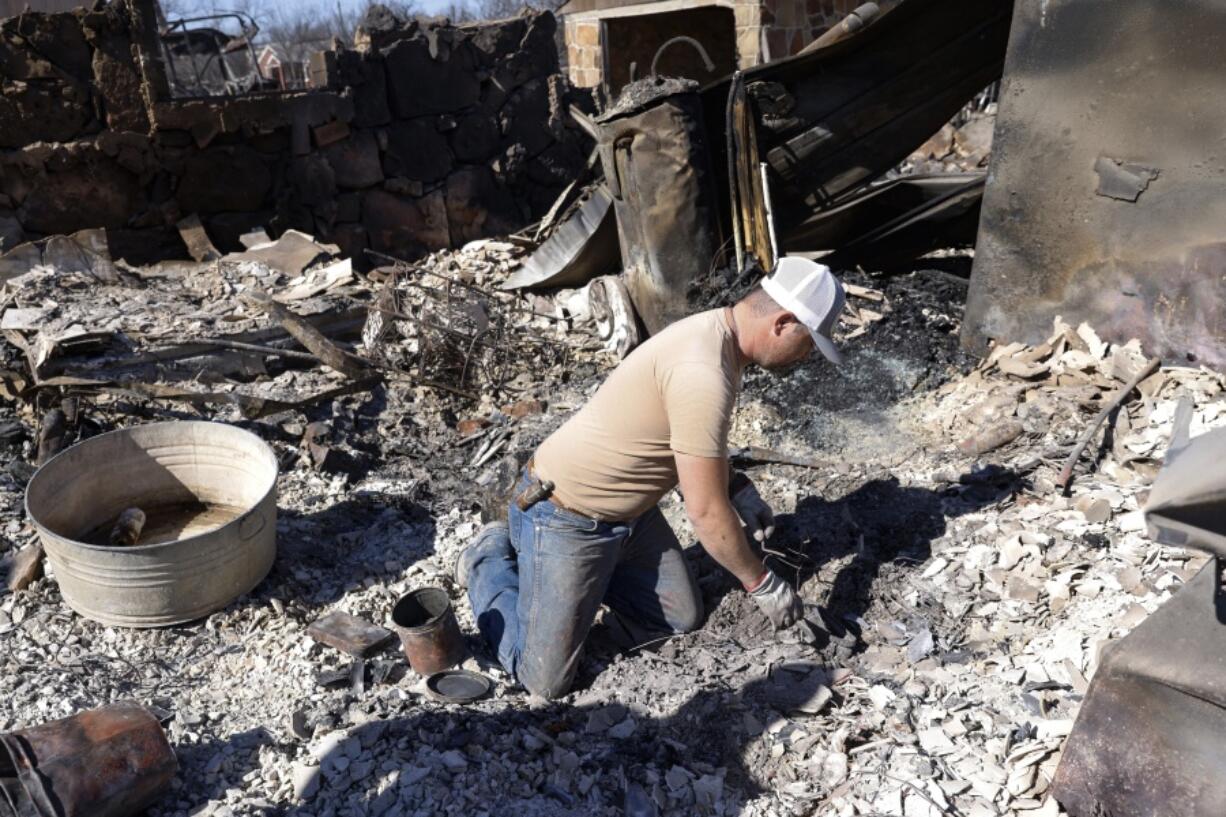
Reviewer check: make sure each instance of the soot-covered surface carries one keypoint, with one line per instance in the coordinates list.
(911, 348)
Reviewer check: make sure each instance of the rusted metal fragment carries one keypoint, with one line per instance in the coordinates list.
(1081, 84)
(1122, 180)
(1150, 738)
(349, 634)
(107, 762)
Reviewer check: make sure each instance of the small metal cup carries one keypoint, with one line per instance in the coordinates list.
(428, 630)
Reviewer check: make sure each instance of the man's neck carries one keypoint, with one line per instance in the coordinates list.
(740, 319)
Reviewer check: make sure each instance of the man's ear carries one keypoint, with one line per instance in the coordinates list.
(781, 323)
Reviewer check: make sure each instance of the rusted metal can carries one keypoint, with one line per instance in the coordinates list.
(105, 762)
(428, 630)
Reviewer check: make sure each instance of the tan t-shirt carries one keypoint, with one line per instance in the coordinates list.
(613, 460)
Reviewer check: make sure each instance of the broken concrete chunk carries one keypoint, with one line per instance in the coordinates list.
(524, 408)
(330, 132)
(21, 568)
(638, 803)
(349, 634)
(29, 319)
(320, 279)
(1095, 509)
(254, 238)
(997, 435)
(1020, 368)
(1018, 588)
(599, 720)
(293, 252)
(85, 252)
(708, 790)
(623, 730)
(920, 645)
(306, 781)
(20, 260)
(199, 246)
(798, 686)
(677, 778)
(934, 741)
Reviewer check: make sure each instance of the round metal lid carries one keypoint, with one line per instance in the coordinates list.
(457, 686)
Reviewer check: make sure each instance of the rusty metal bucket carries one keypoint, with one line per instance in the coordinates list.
(428, 630)
(105, 762)
(209, 494)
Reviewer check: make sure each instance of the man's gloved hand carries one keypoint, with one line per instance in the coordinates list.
(777, 600)
(755, 514)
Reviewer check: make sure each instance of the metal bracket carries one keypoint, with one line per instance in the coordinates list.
(706, 60)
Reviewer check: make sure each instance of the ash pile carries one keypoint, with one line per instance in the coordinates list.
(966, 533)
(964, 598)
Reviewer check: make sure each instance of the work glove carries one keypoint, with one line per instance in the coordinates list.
(755, 514)
(777, 600)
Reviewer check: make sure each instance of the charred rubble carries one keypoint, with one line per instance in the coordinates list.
(389, 288)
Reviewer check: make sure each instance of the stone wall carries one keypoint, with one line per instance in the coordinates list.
(584, 57)
(428, 135)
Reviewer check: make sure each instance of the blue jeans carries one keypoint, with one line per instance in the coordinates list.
(536, 591)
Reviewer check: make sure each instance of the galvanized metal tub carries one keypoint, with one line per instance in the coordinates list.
(209, 494)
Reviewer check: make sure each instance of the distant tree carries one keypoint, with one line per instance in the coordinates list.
(291, 24)
(501, 9)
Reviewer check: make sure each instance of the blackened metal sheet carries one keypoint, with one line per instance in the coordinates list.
(1187, 504)
(897, 219)
(581, 248)
(657, 167)
(1150, 739)
(841, 116)
(1091, 83)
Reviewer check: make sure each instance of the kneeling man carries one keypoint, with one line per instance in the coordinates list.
(584, 528)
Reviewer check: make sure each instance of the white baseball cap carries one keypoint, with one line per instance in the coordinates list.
(809, 291)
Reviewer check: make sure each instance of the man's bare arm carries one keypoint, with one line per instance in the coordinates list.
(704, 487)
